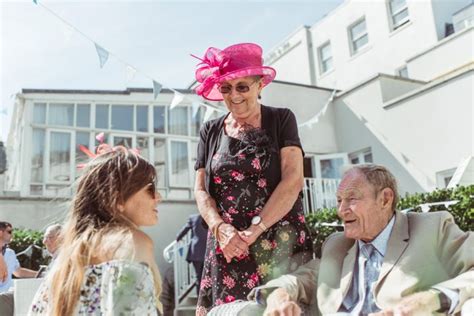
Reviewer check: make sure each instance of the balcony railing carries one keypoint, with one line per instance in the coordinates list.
(184, 274)
(319, 193)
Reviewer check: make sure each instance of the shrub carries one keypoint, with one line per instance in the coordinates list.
(22, 239)
(463, 212)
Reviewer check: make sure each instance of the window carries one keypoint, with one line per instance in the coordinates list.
(362, 156)
(122, 117)
(444, 177)
(37, 163)
(178, 120)
(102, 116)
(325, 58)
(358, 35)
(179, 163)
(83, 114)
(82, 139)
(159, 161)
(330, 166)
(403, 72)
(61, 114)
(142, 146)
(196, 122)
(142, 118)
(398, 13)
(39, 113)
(59, 157)
(159, 119)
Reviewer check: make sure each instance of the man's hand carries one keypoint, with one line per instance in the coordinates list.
(3, 269)
(421, 303)
(279, 304)
(231, 243)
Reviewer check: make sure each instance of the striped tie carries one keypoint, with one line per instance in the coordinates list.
(371, 274)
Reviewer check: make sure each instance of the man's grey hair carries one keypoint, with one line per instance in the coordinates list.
(379, 177)
(53, 230)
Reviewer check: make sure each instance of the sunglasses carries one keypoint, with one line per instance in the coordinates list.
(240, 87)
(153, 191)
(9, 231)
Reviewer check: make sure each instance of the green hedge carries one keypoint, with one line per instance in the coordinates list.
(22, 239)
(463, 212)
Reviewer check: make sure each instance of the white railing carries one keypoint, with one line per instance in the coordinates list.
(184, 274)
(319, 193)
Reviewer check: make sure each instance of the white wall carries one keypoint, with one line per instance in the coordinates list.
(416, 135)
(37, 214)
(291, 58)
(443, 11)
(305, 102)
(452, 52)
(359, 125)
(386, 51)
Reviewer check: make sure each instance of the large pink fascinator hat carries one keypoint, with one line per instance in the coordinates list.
(236, 61)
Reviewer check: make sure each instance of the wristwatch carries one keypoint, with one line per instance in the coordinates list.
(257, 220)
(444, 301)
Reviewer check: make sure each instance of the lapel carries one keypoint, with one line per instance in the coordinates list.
(347, 271)
(397, 243)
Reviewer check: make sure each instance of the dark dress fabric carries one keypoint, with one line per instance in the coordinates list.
(243, 174)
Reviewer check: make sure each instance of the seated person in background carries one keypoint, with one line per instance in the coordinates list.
(51, 239)
(385, 262)
(106, 264)
(12, 267)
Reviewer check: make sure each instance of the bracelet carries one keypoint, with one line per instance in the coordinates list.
(215, 230)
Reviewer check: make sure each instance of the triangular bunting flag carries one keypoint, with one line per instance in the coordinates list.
(156, 89)
(195, 108)
(35, 1)
(131, 72)
(178, 97)
(208, 113)
(103, 55)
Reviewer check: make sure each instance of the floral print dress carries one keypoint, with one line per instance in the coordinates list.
(117, 287)
(243, 172)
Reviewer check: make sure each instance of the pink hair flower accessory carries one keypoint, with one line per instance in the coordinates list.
(103, 148)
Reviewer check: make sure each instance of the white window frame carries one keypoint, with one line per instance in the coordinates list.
(317, 161)
(360, 154)
(113, 135)
(392, 15)
(442, 175)
(323, 61)
(72, 174)
(170, 162)
(399, 71)
(353, 40)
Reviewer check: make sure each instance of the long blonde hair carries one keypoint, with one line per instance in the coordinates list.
(95, 226)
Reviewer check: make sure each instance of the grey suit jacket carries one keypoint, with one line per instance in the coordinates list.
(424, 250)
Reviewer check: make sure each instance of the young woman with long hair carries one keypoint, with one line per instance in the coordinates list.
(105, 264)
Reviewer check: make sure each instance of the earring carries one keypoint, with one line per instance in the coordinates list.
(259, 96)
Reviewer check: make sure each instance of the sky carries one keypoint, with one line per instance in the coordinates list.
(156, 37)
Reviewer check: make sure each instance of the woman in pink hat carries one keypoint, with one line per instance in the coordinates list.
(248, 181)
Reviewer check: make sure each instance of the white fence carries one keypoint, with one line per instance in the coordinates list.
(319, 193)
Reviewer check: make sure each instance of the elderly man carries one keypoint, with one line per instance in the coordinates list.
(385, 262)
(51, 239)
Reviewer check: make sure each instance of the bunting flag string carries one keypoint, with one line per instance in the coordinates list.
(194, 108)
(130, 73)
(105, 54)
(315, 119)
(156, 89)
(178, 97)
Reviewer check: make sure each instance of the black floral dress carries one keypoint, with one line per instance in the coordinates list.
(244, 174)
